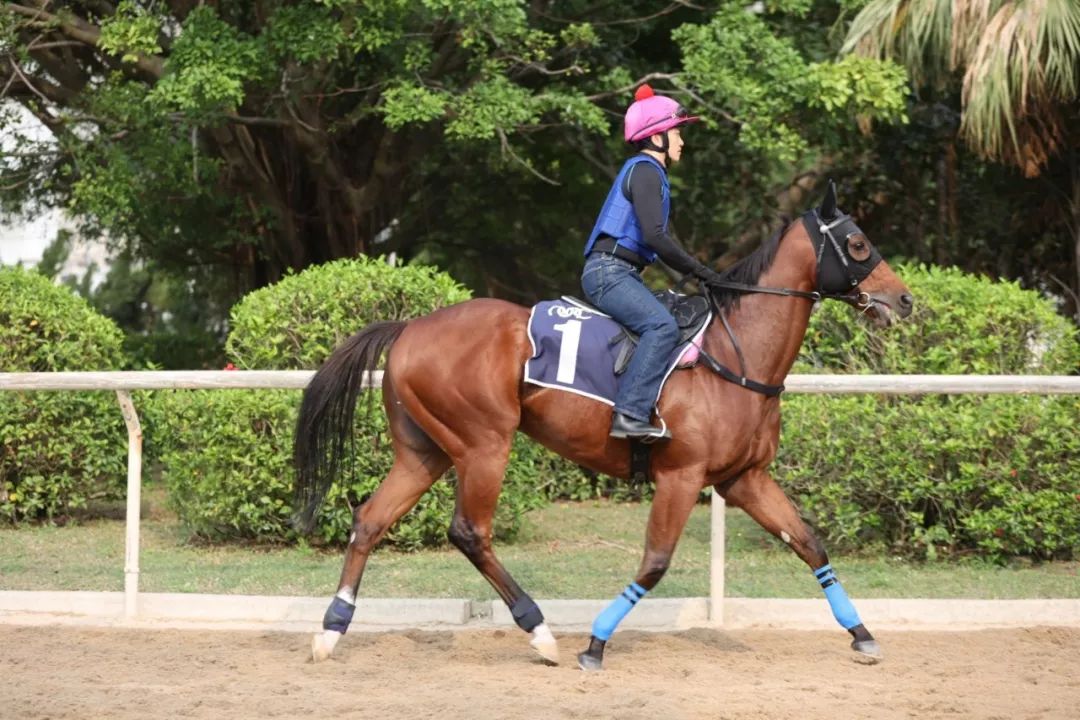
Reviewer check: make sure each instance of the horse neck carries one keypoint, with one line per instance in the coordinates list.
(770, 328)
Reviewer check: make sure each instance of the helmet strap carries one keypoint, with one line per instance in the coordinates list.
(662, 146)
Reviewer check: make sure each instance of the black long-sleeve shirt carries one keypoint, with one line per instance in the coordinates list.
(644, 190)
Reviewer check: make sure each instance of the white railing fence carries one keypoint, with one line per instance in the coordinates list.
(124, 382)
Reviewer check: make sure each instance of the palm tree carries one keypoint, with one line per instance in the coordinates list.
(1018, 65)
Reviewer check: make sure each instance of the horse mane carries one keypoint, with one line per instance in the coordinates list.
(748, 270)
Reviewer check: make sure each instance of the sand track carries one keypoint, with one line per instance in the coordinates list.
(56, 672)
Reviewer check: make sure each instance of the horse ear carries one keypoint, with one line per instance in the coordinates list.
(828, 205)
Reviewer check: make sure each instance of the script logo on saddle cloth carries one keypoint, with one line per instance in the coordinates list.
(575, 348)
(572, 311)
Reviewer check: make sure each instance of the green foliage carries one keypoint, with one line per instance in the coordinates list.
(765, 83)
(995, 475)
(305, 33)
(131, 32)
(961, 324)
(225, 459)
(405, 104)
(861, 87)
(296, 323)
(209, 66)
(57, 450)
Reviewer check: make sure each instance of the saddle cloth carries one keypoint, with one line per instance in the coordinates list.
(577, 348)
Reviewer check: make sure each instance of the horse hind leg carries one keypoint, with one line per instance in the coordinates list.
(480, 476)
(762, 499)
(418, 463)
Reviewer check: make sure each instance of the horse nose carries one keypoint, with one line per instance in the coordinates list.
(906, 303)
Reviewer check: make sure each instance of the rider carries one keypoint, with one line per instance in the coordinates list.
(631, 232)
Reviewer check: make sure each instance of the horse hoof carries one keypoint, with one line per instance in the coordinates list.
(867, 652)
(589, 663)
(544, 643)
(322, 645)
(548, 651)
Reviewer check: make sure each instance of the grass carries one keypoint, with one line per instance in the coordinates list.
(567, 550)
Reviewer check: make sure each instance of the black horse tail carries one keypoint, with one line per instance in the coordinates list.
(324, 428)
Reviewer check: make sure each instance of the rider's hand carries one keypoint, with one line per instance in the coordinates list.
(707, 275)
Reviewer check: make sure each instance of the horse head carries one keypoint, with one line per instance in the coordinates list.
(850, 268)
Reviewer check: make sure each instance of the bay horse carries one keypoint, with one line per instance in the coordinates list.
(454, 394)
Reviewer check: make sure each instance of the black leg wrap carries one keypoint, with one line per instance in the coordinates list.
(338, 616)
(526, 613)
(593, 658)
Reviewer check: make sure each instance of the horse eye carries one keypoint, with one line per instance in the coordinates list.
(858, 248)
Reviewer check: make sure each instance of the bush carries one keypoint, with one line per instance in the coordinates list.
(57, 450)
(228, 461)
(296, 323)
(994, 475)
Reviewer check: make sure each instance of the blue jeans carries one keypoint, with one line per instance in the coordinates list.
(615, 286)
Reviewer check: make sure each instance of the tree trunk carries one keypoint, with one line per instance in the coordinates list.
(1074, 176)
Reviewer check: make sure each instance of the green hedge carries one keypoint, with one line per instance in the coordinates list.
(296, 323)
(57, 450)
(227, 460)
(923, 476)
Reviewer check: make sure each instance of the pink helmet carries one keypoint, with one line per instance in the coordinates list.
(651, 114)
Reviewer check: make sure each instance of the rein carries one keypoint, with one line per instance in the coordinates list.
(860, 300)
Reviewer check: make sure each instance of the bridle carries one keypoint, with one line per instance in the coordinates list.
(837, 279)
(823, 235)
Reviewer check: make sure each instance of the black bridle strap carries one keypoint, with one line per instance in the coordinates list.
(735, 344)
(856, 299)
(786, 292)
(739, 379)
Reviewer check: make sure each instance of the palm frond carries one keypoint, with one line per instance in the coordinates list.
(916, 33)
(969, 21)
(1022, 71)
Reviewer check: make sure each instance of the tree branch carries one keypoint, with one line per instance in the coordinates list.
(507, 149)
(633, 85)
(78, 29)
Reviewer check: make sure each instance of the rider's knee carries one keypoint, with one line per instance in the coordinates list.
(668, 330)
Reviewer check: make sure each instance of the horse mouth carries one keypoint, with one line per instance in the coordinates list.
(881, 314)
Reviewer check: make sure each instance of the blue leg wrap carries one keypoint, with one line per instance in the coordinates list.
(841, 606)
(338, 616)
(607, 621)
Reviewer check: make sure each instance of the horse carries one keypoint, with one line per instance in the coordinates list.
(454, 395)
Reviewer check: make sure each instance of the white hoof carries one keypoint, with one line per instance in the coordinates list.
(322, 645)
(544, 643)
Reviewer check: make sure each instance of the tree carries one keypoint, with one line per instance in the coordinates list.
(240, 139)
(1015, 65)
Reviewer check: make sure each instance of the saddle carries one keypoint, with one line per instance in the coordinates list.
(691, 312)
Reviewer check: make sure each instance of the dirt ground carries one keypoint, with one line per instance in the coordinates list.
(66, 672)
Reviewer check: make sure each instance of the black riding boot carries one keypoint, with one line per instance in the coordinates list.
(624, 426)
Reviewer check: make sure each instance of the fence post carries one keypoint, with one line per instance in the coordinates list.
(134, 502)
(716, 560)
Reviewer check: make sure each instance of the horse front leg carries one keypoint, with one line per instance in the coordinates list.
(674, 499)
(757, 493)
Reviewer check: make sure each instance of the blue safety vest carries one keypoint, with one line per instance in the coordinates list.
(617, 218)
